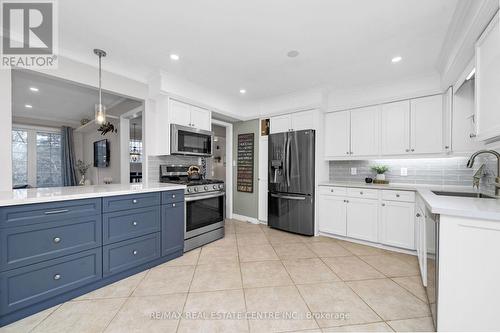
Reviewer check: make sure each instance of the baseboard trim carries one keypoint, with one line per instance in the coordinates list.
(246, 218)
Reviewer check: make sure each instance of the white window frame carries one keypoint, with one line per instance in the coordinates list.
(32, 130)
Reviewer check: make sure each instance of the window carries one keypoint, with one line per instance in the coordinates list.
(135, 146)
(36, 157)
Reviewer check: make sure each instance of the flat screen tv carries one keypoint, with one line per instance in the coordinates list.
(101, 153)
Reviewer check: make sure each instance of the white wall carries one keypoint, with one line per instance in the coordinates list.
(6, 129)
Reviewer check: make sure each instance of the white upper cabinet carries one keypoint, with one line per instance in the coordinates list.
(337, 134)
(395, 128)
(189, 115)
(463, 129)
(427, 125)
(297, 121)
(365, 131)
(488, 82)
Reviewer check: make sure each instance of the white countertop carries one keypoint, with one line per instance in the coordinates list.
(488, 209)
(51, 194)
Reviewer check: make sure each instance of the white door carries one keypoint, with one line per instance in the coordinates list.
(395, 118)
(303, 120)
(362, 219)
(397, 225)
(201, 118)
(427, 125)
(337, 134)
(280, 124)
(179, 113)
(263, 162)
(332, 214)
(365, 131)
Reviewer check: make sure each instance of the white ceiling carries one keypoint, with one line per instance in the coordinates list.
(231, 44)
(58, 100)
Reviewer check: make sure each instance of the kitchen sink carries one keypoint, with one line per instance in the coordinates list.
(464, 194)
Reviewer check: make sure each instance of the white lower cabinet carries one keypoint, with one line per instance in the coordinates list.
(332, 214)
(397, 224)
(362, 219)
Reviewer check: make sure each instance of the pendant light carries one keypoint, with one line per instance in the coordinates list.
(100, 109)
(134, 153)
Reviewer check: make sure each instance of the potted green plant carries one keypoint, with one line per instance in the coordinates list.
(380, 170)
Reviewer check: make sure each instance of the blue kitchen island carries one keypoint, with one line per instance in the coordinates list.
(59, 243)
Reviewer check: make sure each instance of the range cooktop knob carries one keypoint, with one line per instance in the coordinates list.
(206, 188)
(221, 186)
(189, 190)
(215, 187)
(196, 189)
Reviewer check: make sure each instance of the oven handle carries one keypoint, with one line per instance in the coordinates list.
(203, 196)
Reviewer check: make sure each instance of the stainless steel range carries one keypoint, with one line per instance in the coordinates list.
(205, 205)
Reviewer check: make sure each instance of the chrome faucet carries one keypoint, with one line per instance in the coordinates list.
(470, 164)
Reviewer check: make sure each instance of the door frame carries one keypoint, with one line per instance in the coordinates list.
(229, 165)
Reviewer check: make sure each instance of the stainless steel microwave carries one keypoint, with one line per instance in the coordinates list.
(190, 141)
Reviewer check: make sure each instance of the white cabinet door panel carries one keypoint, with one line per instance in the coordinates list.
(397, 225)
(332, 214)
(201, 118)
(280, 124)
(180, 113)
(365, 131)
(427, 125)
(337, 134)
(302, 120)
(362, 219)
(395, 120)
(263, 177)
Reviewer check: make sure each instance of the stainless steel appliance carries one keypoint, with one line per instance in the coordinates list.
(291, 181)
(205, 205)
(190, 141)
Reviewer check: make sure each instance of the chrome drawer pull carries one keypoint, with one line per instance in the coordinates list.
(56, 240)
(57, 211)
(57, 277)
(134, 223)
(134, 201)
(135, 252)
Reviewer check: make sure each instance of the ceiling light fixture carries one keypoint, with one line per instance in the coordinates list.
(100, 109)
(396, 59)
(471, 74)
(293, 53)
(243, 91)
(35, 89)
(174, 57)
(28, 106)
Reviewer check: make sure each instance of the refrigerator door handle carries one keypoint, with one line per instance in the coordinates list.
(287, 197)
(287, 153)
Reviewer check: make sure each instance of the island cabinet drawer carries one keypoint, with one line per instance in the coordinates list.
(172, 196)
(122, 225)
(132, 201)
(31, 284)
(124, 255)
(14, 216)
(405, 196)
(332, 190)
(30, 244)
(365, 193)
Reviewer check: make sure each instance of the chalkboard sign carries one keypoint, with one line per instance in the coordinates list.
(244, 179)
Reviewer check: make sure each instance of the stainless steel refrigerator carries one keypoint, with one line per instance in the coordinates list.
(291, 181)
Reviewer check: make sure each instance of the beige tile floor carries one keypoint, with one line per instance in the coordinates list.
(276, 278)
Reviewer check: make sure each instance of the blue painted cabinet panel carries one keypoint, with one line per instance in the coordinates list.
(15, 216)
(172, 228)
(172, 196)
(30, 244)
(128, 224)
(124, 255)
(132, 201)
(31, 284)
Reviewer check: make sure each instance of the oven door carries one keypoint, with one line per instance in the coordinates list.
(204, 212)
(190, 141)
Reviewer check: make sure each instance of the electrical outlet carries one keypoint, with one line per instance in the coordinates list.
(404, 171)
(354, 171)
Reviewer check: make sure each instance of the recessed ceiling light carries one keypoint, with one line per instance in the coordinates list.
(243, 91)
(397, 59)
(35, 89)
(28, 106)
(292, 53)
(174, 56)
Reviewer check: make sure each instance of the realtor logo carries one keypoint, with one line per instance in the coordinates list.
(29, 34)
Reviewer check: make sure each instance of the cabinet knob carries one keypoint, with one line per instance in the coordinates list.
(57, 277)
(135, 223)
(134, 201)
(472, 135)
(418, 215)
(397, 195)
(173, 196)
(56, 240)
(446, 147)
(412, 149)
(383, 205)
(407, 150)
(173, 205)
(361, 192)
(135, 252)
(347, 152)
(331, 190)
